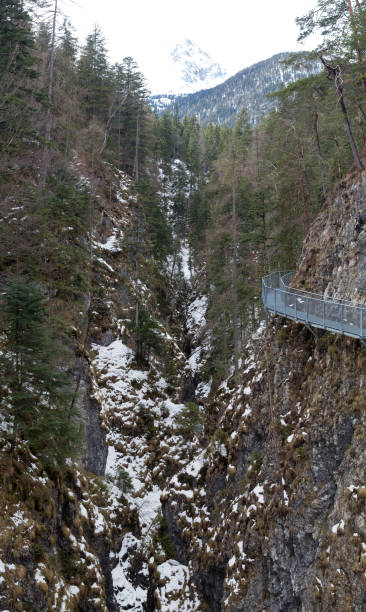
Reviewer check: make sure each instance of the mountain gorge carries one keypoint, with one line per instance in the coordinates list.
(165, 443)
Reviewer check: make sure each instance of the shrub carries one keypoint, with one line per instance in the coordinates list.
(161, 537)
(147, 419)
(221, 436)
(122, 480)
(147, 335)
(255, 460)
(189, 421)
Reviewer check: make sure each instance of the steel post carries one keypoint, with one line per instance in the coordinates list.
(342, 318)
(361, 322)
(275, 292)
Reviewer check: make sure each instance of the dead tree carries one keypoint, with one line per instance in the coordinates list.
(234, 221)
(335, 74)
(317, 141)
(49, 115)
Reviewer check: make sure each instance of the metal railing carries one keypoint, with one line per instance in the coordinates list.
(332, 314)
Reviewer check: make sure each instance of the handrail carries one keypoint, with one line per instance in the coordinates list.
(286, 278)
(333, 314)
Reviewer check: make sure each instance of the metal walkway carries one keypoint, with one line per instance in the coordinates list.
(335, 315)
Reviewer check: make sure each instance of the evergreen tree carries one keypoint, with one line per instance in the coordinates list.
(339, 25)
(231, 243)
(50, 82)
(17, 42)
(68, 112)
(130, 117)
(342, 24)
(17, 76)
(181, 194)
(166, 137)
(35, 394)
(94, 76)
(67, 42)
(158, 233)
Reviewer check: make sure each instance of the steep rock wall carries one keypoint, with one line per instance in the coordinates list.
(334, 252)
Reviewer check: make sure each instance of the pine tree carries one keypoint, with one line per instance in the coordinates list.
(342, 25)
(68, 112)
(166, 137)
(45, 162)
(17, 77)
(67, 42)
(231, 242)
(17, 42)
(94, 76)
(333, 19)
(35, 392)
(130, 134)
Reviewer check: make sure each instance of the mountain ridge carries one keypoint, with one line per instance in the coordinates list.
(249, 87)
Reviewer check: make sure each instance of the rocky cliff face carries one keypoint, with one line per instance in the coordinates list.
(277, 519)
(334, 254)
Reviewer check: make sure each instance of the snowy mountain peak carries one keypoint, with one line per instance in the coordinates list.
(188, 69)
(196, 67)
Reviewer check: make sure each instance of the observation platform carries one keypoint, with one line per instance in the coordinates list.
(338, 316)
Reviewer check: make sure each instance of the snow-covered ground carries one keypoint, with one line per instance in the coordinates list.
(133, 399)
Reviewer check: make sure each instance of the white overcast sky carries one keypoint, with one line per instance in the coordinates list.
(236, 33)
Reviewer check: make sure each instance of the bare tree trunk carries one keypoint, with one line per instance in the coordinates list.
(111, 115)
(335, 73)
(263, 211)
(68, 131)
(49, 116)
(317, 141)
(119, 136)
(137, 334)
(174, 261)
(235, 269)
(362, 111)
(304, 190)
(137, 146)
(264, 230)
(339, 156)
